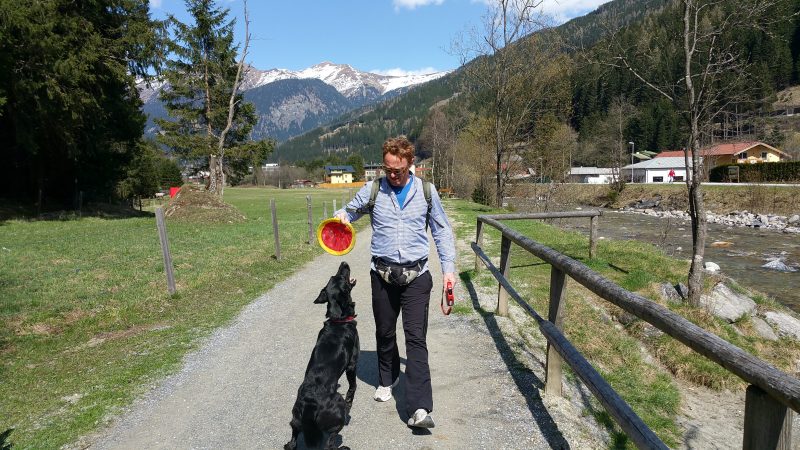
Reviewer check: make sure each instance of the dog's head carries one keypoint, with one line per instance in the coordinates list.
(337, 294)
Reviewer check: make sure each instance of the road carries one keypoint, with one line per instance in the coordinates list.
(237, 391)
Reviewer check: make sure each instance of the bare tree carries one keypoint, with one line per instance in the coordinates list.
(609, 141)
(440, 135)
(512, 64)
(216, 160)
(713, 77)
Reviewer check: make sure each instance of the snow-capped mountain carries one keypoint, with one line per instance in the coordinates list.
(360, 87)
(289, 109)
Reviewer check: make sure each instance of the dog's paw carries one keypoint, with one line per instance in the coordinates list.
(291, 445)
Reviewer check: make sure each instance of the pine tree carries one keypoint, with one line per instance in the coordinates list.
(70, 117)
(202, 77)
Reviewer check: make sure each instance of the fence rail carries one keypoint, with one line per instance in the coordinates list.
(767, 420)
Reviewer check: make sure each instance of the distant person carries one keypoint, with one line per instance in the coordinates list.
(671, 175)
(401, 281)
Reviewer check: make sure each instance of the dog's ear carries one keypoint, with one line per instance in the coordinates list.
(323, 296)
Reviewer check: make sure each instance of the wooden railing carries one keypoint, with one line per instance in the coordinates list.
(770, 391)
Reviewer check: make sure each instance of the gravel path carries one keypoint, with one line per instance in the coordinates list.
(238, 390)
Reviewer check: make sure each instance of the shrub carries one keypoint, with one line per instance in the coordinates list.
(762, 172)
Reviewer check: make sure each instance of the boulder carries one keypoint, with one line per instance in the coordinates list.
(780, 266)
(711, 267)
(682, 289)
(669, 293)
(763, 329)
(721, 244)
(726, 304)
(794, 219)
(784, 323)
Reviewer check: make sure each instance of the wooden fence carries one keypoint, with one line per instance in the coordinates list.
(769, 395)
(167, 256)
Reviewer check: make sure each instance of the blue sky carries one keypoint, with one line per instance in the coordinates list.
(382, 36)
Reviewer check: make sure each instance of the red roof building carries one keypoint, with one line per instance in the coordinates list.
(735, 153)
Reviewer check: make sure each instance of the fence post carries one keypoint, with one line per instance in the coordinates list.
(555, 314)
(310, 221)
(334, 205)
(275, 230)
(505, 264)
(165, 254)
(767, 422)
(479, 242)
(593, 236)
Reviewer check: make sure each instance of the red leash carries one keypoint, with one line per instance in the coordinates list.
(450, 299)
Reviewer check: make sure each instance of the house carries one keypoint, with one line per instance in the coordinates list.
(296, 184)
(372, 171)
(735, 153)
(591, 175)
(339, 174)
(656, 170)
(269, 167)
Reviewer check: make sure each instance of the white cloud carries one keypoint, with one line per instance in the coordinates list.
(560, 10)
(155, 3)
(413, 4)
(397, 72)
(563, 10)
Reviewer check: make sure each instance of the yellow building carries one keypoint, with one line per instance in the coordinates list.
(339, 174)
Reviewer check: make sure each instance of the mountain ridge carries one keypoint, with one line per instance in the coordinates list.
(355, 89)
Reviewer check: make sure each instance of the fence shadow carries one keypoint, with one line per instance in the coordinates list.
(528, 384)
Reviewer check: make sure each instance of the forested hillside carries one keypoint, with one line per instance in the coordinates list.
(651, 121)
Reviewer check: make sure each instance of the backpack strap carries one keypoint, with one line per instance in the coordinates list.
(426, 189)
(367, 209)
(376, 186)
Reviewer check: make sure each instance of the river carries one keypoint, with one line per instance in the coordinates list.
(742, 260)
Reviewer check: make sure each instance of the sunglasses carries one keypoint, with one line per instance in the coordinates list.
(395, 172)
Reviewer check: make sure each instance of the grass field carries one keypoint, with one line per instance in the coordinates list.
(87, 323)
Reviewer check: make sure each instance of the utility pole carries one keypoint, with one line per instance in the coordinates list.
(633, 148)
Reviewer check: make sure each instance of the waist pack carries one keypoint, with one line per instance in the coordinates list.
(398, 274)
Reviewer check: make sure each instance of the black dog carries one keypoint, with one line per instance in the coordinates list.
(319, 408)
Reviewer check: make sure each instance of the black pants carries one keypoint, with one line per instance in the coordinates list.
(387, 303)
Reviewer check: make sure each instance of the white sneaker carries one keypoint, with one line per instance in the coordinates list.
(421, 419)
(384, 393)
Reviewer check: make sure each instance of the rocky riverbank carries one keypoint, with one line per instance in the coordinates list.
(785, 224)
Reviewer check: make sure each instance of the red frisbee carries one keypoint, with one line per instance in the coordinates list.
(335, 237)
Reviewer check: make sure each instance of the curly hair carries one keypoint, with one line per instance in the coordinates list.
(401, 147)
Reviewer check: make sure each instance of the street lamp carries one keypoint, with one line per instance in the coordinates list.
(633, 148)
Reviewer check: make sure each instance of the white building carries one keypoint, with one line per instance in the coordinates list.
(656, 170)
(591, 175)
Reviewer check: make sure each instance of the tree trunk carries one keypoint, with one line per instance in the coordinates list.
(216, 178)
(698, 215)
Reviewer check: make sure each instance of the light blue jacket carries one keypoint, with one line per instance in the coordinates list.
(399, 234)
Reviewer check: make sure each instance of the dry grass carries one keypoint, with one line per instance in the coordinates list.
(196, 205)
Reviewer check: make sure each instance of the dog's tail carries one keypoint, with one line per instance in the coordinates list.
(311, 431)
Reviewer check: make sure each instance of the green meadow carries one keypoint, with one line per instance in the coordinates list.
(87, 322)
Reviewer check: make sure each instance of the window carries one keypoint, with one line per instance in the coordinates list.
(764, 156)
(678, 178)
(658, 179)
